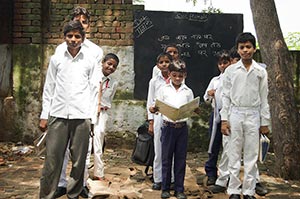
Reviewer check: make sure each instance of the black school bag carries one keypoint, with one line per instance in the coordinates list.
(143, 152)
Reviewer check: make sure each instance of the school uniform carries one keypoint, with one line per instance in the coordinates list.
(97, 53)
(67, 105)
(109, 88)
(211, 169)
(93, 49)
(155, 71)
(245, 106)
(155, 84)
(174, 137)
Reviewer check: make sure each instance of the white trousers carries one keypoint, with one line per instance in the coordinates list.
(244, 139)
(98, 140)
(157, 163)
(223, 176)
(63, 175)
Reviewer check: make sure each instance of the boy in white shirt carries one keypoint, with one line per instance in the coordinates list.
(108, 88)
(83, 16)
(244, 114)
(155, 120)
(223, 61)
(174, 135)
(67, 111)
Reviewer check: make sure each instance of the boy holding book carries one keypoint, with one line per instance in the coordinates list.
(174, 135)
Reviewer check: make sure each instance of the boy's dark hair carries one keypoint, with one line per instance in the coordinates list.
(164, 54)
(74, 25)
(223, 55)
(111, 56)
(172, 45)
(81, 11)
(178, 66)
(233, 53)
(244, 37)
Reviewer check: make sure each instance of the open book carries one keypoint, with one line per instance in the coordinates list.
(182, 112)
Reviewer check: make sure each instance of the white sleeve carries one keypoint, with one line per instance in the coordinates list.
(49, 88)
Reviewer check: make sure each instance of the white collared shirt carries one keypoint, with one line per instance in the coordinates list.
(175, 98)
(154, 85)
(109, 88)
(214, 84)
(242, 88)
(94, 50)
(69, 86)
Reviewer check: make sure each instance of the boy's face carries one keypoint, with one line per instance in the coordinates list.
(246, 50)
(177, 77)
(163, 63)
(173, 52)
(223, 64)
(109, 66)
(74, 39)
(83, 20)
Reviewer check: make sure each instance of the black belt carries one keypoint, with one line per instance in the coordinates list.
(175, 125)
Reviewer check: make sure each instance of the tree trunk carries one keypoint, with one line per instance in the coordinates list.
(284, 113)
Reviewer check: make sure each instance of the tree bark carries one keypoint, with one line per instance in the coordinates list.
(284, 113)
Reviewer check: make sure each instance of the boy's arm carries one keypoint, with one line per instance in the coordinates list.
(48, 93)
(114, 87)
(49, 88)
(94, 90)
(226, 101)
(264, 108)
(150, 99)
(208, 92)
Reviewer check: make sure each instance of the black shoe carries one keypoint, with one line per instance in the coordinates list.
(235, 196)
(60, 191)
(156, 186)
(165, 194)
(180, 195)
(249, 197)
(217, 189)
(260, 190)
(211, 180)
(85, 192)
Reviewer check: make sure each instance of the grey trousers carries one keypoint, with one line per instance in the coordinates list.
(60, 132)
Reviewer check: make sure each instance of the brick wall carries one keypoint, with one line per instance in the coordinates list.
(41, 21)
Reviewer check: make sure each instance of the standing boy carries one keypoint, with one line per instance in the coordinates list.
(155, 120)
(83, 16)
(223, 61)
(223, 177)
(106, 90)
(244, 114)
(174, 135)
(67, 110)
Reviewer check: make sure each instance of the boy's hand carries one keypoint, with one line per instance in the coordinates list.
(225, 128)
(264, 130)
(197, 110)
(153, 109)
(43, 125)
(150, 128)
(211, 92)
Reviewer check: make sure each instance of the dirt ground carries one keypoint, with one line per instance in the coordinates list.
(20, 172)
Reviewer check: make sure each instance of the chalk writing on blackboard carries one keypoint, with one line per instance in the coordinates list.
(141, 25)
(164, 38)
(191, 17)
(202, 45)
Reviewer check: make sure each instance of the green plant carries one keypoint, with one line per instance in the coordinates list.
(292, 40)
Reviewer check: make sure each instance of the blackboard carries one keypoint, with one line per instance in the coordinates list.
(199, 36)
